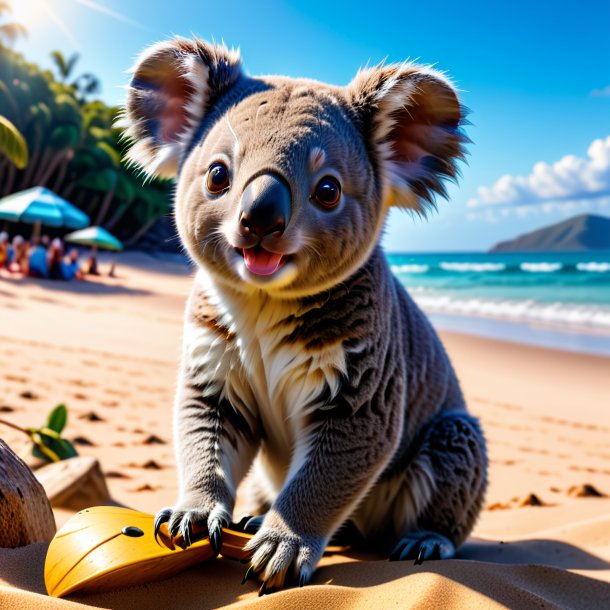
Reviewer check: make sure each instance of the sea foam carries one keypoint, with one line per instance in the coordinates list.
(564, 314)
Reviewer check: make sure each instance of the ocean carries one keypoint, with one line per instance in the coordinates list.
(558, 300)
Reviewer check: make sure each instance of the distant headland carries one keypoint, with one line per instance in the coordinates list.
(585, 232)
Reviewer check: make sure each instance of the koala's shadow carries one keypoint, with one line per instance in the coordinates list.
(541, 553)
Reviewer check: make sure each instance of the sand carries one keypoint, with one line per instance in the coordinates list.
(109, 348)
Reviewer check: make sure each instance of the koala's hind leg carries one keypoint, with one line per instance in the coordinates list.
(452, 457)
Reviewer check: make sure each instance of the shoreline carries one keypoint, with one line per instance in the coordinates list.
(527, 333)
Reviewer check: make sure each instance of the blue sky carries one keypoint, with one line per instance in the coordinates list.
(536, 76)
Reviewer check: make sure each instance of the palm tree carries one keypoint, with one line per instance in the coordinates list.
(86, 84)
(10, 32)
(65, 65)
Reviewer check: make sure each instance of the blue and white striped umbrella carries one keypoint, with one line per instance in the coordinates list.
(41, 205)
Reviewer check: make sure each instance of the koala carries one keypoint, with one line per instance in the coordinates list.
(306, 367)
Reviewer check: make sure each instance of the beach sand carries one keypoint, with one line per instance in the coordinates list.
(109, 349)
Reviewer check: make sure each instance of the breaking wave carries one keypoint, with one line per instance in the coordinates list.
(570, 314)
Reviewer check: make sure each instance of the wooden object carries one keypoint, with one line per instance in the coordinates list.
(25, 513)
(76, 483)
(107, 547)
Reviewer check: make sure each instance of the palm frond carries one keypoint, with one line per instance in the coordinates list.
(13, 144)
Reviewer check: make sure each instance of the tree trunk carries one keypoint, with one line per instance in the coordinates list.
(43, 176)
(141, 231)
(120, 212)
(88, 209)
(25, 513)
(34, 159)
(61, 174)
(105, 207)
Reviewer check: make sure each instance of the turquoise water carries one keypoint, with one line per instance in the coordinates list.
(567, 292)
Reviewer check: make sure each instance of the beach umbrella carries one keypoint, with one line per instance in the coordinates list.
(39, 205)
(96, 237)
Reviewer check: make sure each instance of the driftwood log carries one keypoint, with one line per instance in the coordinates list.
(25, 513)
(76, 483)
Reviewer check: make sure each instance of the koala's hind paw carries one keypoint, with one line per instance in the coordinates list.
(180, 522)
(421, 546)
(279, 555)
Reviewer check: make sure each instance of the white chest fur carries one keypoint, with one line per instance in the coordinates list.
(264, 374)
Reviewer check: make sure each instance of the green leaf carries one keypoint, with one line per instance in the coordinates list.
(51, 448)
(13, 144)
(57, 418)
(43, 450)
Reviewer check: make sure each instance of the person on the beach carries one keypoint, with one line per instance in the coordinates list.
(38, 260)
(4, 249)
(69, 266)
(18, 255)
(90, 267)
(54, 259)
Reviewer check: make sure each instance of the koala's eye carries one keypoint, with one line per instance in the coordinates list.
(327, 193)
(218, 178)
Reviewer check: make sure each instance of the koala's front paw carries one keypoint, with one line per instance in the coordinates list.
(180, 520)
(278, 553)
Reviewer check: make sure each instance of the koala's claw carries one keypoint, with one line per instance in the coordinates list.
(253, 524)
(216, 539)
(162, 517)
(248, 575)
(279, 555)
(180, 522)
(422, 546)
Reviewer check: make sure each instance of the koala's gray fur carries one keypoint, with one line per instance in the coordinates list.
(323, 380)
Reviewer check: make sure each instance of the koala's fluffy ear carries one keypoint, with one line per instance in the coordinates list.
(411, 117)
(174, 84)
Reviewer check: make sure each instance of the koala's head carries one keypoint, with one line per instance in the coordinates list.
(284, 184)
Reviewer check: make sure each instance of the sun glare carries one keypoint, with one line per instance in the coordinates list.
(40, 16)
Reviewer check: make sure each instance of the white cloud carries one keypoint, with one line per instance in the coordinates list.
(603, 92)
(566, 182)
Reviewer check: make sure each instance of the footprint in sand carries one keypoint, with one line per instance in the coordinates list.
(83, 440)
(115, 474)
(28, 395)
(153, 439)
(146, 487)
(585, 491)
(16, 378)
(529, 500)
(150, 465)
(91, 416)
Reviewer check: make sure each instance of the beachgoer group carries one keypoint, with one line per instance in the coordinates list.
(43, 258)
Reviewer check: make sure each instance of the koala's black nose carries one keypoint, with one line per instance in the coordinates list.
(265, 206)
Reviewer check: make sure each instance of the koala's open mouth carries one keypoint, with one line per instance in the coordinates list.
(262, 262)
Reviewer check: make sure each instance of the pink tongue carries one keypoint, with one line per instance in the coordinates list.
(261, 261)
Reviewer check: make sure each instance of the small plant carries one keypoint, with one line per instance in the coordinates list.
(48, 443)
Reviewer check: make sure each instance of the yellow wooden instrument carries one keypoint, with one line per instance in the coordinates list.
(108, 547)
